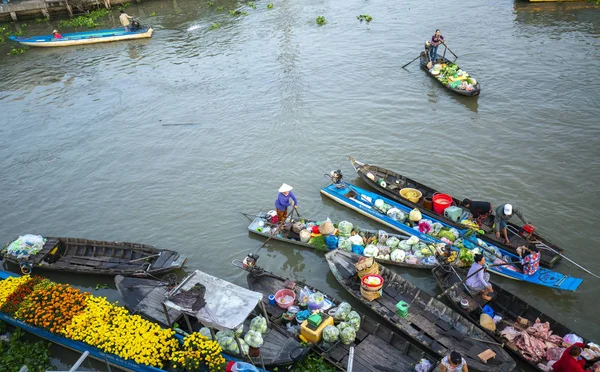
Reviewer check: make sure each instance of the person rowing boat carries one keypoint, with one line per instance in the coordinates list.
(503, 214)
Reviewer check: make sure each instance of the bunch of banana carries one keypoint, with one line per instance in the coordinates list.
(452, 257)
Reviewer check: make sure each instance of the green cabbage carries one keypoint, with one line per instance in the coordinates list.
(259, 324)
(392, 242)
(412, 240)
(354, 320)
(347, 335)
(331, 334)
(466, 256)
(254, 339)
(345, 228)
(226, 333)
(343, 311)
(204, 331)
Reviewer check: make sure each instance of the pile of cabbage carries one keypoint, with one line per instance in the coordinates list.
(346, 330)
(228, 339)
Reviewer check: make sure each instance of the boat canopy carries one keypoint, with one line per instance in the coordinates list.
(227, 305)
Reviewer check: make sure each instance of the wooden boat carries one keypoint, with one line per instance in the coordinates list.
(429, 322)
(423, 60)
(263, 227)
(223, 306)
(376, 348)
(363, 201)
(504, 304)
(97, 257)
(84, 38)
(112, 359)
(394, 182)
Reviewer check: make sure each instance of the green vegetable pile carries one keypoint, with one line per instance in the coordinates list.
(318, 242)
(466, 256)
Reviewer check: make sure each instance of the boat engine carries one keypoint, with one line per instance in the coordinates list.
(336, 176)
(249, 261)
(135, 25)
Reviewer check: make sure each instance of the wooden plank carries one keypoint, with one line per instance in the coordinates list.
(160, 261)
(374, 351)
(151, 306)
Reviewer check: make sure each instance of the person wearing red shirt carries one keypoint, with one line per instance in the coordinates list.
(568, 362)
(56, 35)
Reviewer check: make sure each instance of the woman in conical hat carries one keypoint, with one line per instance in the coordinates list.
(285, 199)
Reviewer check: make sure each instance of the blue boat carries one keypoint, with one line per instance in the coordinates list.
(81, 347)
(363, 202)
(83, 38)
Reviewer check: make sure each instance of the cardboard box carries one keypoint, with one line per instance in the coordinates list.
(486, 355)
(523, 321)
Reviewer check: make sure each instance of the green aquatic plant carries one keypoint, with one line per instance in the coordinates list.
(270, 6)
(16, 353)
(153, 14)
(86, 20)
(237, 12)
(219, 8)
(16, 51)
(210, 3)
(313, 363)
(364, 17)
(252, 5)
(215, 26)
(321, 20)
(123, 6)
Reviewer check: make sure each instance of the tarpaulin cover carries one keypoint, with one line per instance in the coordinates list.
(227, 304)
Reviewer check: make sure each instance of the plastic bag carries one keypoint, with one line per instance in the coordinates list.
(435, 228)
(403, 245)
(347, 335)
(254, 339)
(241, 367)
(345, 244)
(396, 214)
(204, 331)
(571, 339)
(358, 249)
(331, 241)
(424, 365)
(305, 235)
(412, 240)
(371, 251)
(259, 324)
(410, 259)
(331, 334)
(354, 320)
(343, 311)
(223, 334)
(415, 215)
(382, 236)
(383, 249)
(315, 301)
(425, 226)
(392, 242)
(304, 295)
(398, 255)
(345, 228)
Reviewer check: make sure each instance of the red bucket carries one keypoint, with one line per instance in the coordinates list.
(441, 202)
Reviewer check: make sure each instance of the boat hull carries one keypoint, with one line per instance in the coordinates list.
(395, 181)
(84, 38)
(362, 201)
(423, 62)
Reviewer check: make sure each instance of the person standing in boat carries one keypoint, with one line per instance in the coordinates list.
(503, 214)
(454, 363)
(478, 280)
(531, 262)
(285, 199)
(56, 34)
(436, 39)
(124, 18)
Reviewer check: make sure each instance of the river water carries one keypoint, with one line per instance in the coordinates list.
(165, 141)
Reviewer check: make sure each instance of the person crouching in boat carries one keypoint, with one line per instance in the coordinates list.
(531, 261)
(503, 214)
(285, 199)
(479, 209)
(436, 39)
(480, 282)
(124, 18)
(570, 360)
(56, 34)
(453, 363)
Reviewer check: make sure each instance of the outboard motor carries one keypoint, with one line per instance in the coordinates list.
(250, 261)
(135, 25)
(336, 176)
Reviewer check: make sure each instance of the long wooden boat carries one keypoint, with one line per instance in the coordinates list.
(261, 226)
(81, 347)
(394, 182)
(423, 60)
(430, 322)
(83, 38)
(363, 201)
(505, 304)
(376, 348)
(224, 303)
(97, 257)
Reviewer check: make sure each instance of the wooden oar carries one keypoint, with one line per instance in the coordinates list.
(465, 279)
(568, 259)
(450, 50)
(411, 61)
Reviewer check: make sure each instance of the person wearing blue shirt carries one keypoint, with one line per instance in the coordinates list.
(285, 199)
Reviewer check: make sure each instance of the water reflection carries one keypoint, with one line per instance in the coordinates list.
(557, 13)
